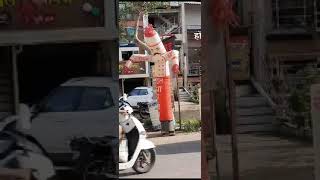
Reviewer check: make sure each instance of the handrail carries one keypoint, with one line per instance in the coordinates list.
(263, 93)
(187, 91)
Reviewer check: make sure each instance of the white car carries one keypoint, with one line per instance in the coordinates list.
(80, 107)
(140, 94)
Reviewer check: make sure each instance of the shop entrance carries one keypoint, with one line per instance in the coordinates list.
(42, 68)
(130, 84)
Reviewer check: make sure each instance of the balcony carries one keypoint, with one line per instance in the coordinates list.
(293, 15)
(194, 69)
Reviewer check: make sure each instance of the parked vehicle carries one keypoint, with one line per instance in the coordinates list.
(19, 150)
(80, 107)
(140, 151)
(143, 110)
(140, 94)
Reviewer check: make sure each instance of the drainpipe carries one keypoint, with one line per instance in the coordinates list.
(16, 50)
(184, 45)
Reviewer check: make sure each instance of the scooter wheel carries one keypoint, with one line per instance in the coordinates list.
(145, 161)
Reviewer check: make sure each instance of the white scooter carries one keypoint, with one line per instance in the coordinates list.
(141, 152)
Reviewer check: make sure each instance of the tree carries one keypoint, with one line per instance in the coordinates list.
(129, 11)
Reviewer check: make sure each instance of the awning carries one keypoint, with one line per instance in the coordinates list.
(296, 49)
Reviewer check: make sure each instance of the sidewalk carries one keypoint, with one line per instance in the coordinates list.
(189, 110)
(263, 157)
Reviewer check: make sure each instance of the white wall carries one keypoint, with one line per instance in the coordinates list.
(193, 16)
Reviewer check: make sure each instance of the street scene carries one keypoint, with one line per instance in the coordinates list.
(159, 59)
(260, 105)
(85, 96)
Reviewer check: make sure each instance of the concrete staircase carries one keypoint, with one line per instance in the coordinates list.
(184, 96)
(254, 115)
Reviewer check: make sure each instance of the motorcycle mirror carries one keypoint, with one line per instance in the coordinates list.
(125, 97)
(24, 122)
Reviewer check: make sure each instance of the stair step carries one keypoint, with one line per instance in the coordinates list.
(253, 111)
(5, 82)
(254, 120)
(5, 98)
(260, 128)
(243, 90)
(251, 101)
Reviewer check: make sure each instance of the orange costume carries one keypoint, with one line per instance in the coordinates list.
(161, 72)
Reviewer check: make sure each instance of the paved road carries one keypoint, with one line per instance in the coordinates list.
(177, 157)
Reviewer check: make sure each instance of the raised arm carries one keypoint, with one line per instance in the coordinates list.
(135, 58)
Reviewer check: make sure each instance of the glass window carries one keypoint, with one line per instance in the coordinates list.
(63, 99)
(93, 98)
(134, 92)
(143, 92)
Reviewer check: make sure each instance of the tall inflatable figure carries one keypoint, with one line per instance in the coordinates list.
(165, 63)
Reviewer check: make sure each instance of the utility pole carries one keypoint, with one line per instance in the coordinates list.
(232, 110)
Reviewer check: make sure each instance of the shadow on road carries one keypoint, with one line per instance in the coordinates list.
(179, 148)
(127, 174)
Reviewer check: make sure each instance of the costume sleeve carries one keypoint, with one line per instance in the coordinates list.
(135, 58)
(173, 56)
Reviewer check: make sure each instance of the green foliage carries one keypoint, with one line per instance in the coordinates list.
(299, 100)
(129, 10)
(194, 90)
(191, 125)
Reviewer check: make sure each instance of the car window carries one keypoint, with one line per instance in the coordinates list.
(94, 98)
(134, 92)
(62, 99)
(143, 92)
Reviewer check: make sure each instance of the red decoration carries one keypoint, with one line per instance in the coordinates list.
(223, 14)
(149, 31)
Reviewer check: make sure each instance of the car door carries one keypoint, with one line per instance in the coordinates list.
(92, 114)
(143, 95)
(97, 113)
(50, 126)
(134, 97)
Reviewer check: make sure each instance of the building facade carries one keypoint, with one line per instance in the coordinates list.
(47, 42)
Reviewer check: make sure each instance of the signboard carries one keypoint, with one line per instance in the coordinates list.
(138, 70)
(315, 114)
(50, 14)
(194, 34)
(239, 55)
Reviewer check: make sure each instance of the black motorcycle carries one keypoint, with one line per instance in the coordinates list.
(143, 109)
(97, 157)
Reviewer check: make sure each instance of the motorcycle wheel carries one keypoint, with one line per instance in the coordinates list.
(96, 171)
(145, 161)
(144, 113)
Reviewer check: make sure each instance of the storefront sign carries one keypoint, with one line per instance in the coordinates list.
(197, 35)
(239, 55)
(194, 35)
(138, 70)
(315, 114)
(51, 14)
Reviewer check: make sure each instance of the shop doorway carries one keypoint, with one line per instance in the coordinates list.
(42, 68)
(130, 84)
